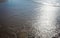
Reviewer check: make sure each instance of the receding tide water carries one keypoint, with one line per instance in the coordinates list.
(29, 18)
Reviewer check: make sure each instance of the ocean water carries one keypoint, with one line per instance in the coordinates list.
(30, 19)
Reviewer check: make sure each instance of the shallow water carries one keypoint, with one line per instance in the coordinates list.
(29, 18)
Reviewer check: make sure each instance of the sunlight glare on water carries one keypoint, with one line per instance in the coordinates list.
(29, 18)
(48, 2)
(46, 21)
